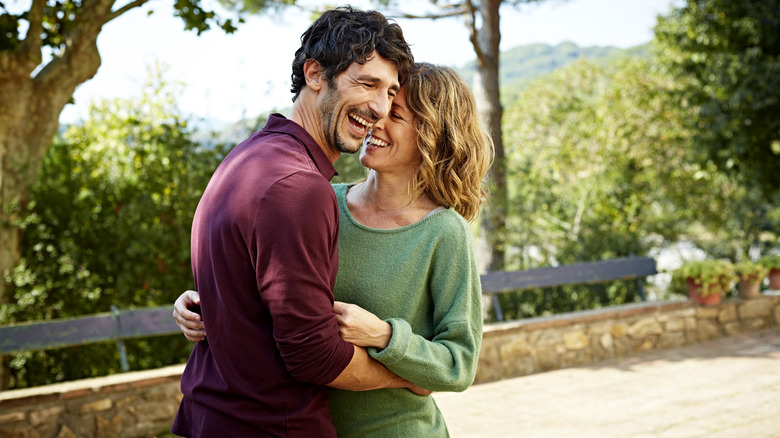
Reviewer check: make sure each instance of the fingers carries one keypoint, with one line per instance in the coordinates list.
(340, 307)
(189, 322)
(181, 307)
(192, 330)
(193, 335)
(187, 319)
(189, 299)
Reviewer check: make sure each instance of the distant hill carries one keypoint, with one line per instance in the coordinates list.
(529, 61)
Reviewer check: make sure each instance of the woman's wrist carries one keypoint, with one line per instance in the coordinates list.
(385, 332)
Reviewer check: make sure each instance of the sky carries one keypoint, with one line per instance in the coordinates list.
(228, 77)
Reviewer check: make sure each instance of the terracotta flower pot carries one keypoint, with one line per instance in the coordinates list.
(750, 288)
(774, 279)
(711, 299)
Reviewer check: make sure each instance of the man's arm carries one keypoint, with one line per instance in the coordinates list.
(361, 374)
(365, 374)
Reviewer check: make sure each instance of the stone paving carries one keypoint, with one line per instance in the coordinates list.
(728, 388)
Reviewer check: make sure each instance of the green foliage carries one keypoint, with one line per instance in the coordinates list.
(596, 156)
(349, 168)
(109, 224)
(726, 56)
(256, 6)
(198, 19)
(713, 276)
(747, 270)
(771, 261)
(596, 170)
(600, 166)
(61, 17)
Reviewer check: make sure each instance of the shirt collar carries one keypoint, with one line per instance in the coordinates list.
(281, 124)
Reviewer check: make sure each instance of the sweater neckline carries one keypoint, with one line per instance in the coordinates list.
(437, 212)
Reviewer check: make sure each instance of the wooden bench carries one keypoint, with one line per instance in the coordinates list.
(115, 326)
(627, 268)
(156, 321)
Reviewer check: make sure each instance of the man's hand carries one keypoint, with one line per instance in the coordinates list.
(361, 327)
(419, 390)
(189, 322)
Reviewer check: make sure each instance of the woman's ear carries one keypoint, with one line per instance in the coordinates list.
(314, 74)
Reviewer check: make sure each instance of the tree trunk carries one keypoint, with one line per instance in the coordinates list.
(486, 41)
(29, 117)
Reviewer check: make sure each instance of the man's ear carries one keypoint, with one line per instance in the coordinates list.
(314, 74)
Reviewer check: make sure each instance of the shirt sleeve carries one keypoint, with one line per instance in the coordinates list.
(296, 263)
(448, 361)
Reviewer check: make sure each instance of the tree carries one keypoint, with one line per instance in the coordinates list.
(727, 54)
(108, 223)
(33, 91)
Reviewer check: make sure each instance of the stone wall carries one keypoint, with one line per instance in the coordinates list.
(135, 404)
(142, 404)
(541, 344)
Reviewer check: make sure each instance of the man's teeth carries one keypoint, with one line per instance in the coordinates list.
(362, 121)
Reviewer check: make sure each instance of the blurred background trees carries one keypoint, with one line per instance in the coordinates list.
(109, 224)
(726, 57)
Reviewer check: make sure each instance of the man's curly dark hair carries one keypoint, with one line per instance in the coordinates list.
(345, 35)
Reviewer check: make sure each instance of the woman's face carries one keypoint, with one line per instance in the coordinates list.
(391, 147)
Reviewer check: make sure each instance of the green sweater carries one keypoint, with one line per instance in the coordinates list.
(423, 280)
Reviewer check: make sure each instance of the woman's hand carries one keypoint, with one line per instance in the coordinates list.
(189, 322)
(361, 327)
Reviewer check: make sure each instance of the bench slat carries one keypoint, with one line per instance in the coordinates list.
(580, 273)
(95, 328)
(149, 321)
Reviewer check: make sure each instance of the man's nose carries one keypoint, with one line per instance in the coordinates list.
(380, 104)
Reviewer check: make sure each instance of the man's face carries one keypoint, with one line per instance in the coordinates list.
(362, 95)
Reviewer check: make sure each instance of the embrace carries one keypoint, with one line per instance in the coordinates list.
(335, 310)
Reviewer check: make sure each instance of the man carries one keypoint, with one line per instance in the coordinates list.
(264, 245)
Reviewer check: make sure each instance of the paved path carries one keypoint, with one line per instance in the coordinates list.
(729, 388)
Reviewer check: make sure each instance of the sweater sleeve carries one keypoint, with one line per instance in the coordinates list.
(447, 361)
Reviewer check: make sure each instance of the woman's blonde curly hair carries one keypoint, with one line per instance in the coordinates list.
(456, 150)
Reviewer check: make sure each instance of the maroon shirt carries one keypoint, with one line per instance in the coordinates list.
(264, 257)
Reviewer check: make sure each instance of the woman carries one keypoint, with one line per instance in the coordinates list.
(407, 264)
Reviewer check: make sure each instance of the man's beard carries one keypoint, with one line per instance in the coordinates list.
(328, 116)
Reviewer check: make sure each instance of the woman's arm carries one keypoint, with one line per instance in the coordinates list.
(361, 327)
(447, 359)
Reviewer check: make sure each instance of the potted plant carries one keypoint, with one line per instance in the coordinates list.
(772, 262)
(708, 280)
(750, 275)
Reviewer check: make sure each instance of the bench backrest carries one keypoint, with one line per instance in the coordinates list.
(118, 325)
(627, 268)
(156, 321)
